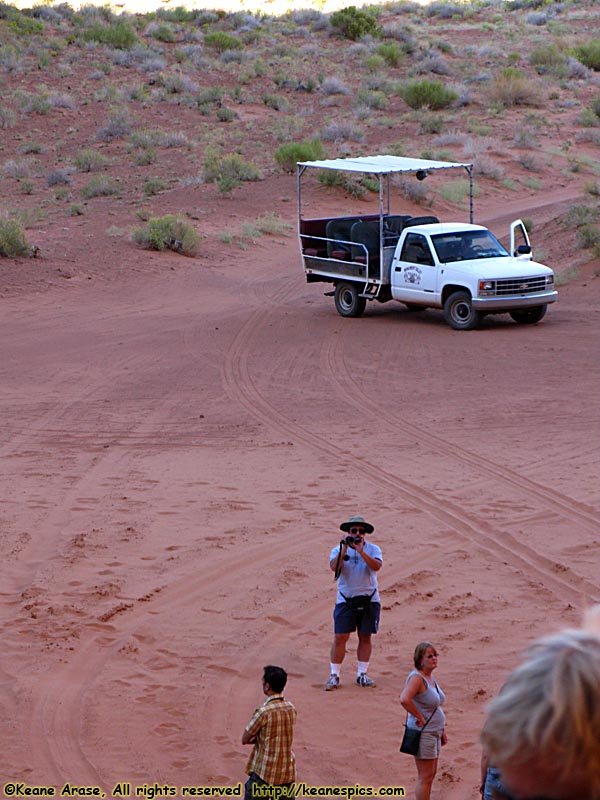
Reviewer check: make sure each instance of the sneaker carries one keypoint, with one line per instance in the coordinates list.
(332, 682)
(364, 680)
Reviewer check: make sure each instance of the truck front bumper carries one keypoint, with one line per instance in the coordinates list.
(490, 304)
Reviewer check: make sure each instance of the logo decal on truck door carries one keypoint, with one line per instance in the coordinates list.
(413, 274)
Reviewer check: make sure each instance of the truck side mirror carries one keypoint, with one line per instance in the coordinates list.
(524, 249)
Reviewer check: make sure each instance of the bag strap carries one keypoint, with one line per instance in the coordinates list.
(427, 721)
(352, 598)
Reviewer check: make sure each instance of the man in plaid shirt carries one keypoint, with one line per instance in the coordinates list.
(271, 731)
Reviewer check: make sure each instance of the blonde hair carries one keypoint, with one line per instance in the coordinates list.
(548, 711)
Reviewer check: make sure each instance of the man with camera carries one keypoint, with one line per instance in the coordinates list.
(355, 564)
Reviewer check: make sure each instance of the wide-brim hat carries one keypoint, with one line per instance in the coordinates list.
(356, 520)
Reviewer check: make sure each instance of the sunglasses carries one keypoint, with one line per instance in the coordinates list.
(357, 530)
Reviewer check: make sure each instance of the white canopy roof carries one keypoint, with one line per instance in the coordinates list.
(382, 164)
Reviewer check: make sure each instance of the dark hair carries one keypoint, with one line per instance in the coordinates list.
(276, 677)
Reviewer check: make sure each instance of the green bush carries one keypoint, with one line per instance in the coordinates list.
(227, 171)
(288, 155)
(88, 160)
(119, 35)
(390, 52)
(589, 54)
(100, 186)
(354, 23)
(346, 181)
(153, 186)
(221, 41)
(427, 94)
(12, 239)
(548, 59)
(168, 233)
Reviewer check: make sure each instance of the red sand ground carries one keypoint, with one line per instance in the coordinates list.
(179, 447)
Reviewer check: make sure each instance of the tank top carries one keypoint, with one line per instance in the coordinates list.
(426, 702)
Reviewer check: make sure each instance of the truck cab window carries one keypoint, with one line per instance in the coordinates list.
(416, 250)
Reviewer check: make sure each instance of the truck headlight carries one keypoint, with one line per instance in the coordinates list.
(487, 288)
(549, 280)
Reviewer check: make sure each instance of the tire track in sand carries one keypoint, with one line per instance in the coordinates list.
(339, 374)
(241, 387)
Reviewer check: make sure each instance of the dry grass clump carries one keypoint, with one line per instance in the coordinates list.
(512, 88)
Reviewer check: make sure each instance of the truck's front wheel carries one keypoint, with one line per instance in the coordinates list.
(348, 302)
(459, 312)
(529, 316)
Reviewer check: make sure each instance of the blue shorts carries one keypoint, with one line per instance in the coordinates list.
(348, 620)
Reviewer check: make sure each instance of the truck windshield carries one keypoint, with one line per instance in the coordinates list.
(465, 245)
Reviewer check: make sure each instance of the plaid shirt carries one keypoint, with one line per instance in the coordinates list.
(272, 758)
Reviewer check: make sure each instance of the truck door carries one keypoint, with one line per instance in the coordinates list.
(520, 246)
(414, 273)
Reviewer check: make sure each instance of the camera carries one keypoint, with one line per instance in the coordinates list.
(353, 540)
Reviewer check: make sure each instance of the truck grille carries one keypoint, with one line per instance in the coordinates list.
(512, 286)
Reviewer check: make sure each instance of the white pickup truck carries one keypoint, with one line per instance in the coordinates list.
(419, 261)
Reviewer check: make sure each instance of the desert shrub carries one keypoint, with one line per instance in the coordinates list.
(89, 160)
(427, 94)
(168, 233)
(589, 54)
(17, 169)
(340, 132)
(334, 85)
(345, 181)
(227, 171)
(512, 88)
(144, 156)
(153, 186)
(100, 186)
(117, 127)
(58, 177)
(548, 59)
(445, 10)
(32, 102)
(354, 23)
(225, 114)
(8, 118)
(23, 25)
(433, 62)
(177, 83)
(588, 235)
(431, 123)
(162, 32)
(12, 239)
(221, 41)
(272, 225)
(287, 155)
(369, 98)
(588, 119)
(276, 101)
(61, 100)
(118, 34)
(390, 52)
(178, 14)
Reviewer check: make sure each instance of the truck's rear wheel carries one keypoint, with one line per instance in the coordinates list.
(348, 302)
(529, 316)
(459, 312)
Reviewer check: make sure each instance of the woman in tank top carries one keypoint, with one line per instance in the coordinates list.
(422, 698)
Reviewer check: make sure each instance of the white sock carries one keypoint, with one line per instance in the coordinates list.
(363, 666)
(336, 669)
